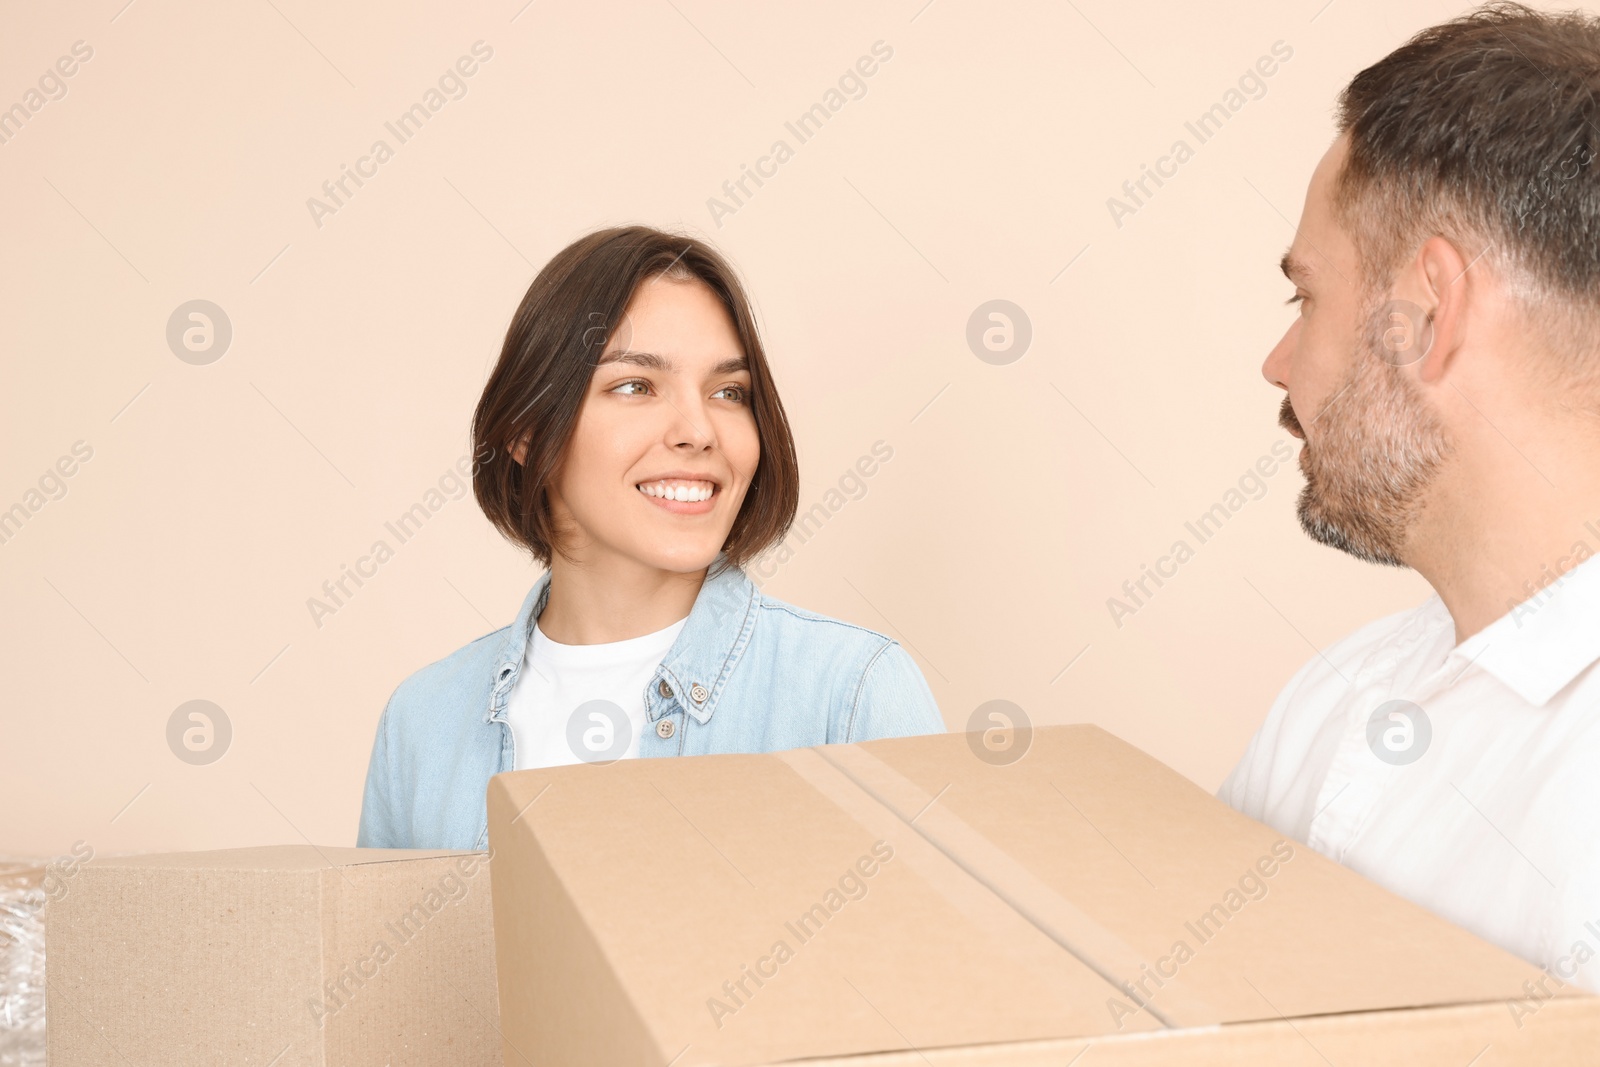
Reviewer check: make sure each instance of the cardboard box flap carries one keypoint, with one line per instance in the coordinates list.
(1229, 922)
(273, 857)
(718, 930)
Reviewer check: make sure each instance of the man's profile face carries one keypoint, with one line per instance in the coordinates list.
(1371, 445)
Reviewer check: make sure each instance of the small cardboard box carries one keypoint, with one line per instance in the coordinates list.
(916, 902)
(292, 956)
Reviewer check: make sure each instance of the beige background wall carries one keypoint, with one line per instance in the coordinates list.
(219, 497)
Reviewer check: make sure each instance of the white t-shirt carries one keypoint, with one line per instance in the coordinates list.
(583, 703)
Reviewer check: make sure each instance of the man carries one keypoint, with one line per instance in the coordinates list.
(1444, 374)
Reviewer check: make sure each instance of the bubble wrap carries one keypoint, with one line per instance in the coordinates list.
(21, 963)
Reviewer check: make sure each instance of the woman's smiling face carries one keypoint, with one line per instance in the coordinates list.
(665, 443)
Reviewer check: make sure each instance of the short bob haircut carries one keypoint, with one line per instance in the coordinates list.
(552, 347)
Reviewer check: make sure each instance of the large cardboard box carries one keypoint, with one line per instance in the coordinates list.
(292, 956)
(915, 901)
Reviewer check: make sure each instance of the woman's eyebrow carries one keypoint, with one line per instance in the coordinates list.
(638, 359)
(662, 363)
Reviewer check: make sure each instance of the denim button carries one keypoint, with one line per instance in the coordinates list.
(698, 693)
(665, 728)
(663, 688)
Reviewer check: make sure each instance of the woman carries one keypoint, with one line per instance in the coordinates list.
(632, 440)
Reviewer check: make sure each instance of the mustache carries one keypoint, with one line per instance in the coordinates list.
(1287, 418)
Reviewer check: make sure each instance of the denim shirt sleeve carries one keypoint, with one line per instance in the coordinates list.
(378, 829)
(893, 699)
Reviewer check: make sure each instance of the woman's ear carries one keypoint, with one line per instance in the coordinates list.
(519, 451)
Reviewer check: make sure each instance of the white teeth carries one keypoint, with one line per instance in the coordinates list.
(685, 493)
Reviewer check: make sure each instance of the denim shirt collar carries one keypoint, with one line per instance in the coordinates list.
(694, 671)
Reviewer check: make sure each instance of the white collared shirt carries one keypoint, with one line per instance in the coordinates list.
(1495, 824)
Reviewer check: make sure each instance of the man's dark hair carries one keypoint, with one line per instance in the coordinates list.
(1484, 129)
(555, 341)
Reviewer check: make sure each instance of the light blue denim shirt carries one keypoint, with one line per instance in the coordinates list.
(747, 673)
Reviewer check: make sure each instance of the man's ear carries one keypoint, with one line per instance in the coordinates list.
(1443, 279)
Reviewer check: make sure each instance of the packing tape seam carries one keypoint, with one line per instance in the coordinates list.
(864, 804)
(1008, 893)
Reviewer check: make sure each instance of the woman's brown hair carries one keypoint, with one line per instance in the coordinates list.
(554, 343)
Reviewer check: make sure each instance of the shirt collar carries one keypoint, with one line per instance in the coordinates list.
(695, 669)
(1539, 646)
(697, 666)
(514, 647)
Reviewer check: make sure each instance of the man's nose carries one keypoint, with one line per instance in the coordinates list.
(1275, 368)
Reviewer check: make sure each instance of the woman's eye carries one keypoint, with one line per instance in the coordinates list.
(632, 387)
(735, 393)
(1298, 298)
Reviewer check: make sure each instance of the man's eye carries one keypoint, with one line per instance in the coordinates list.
(628, 387)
